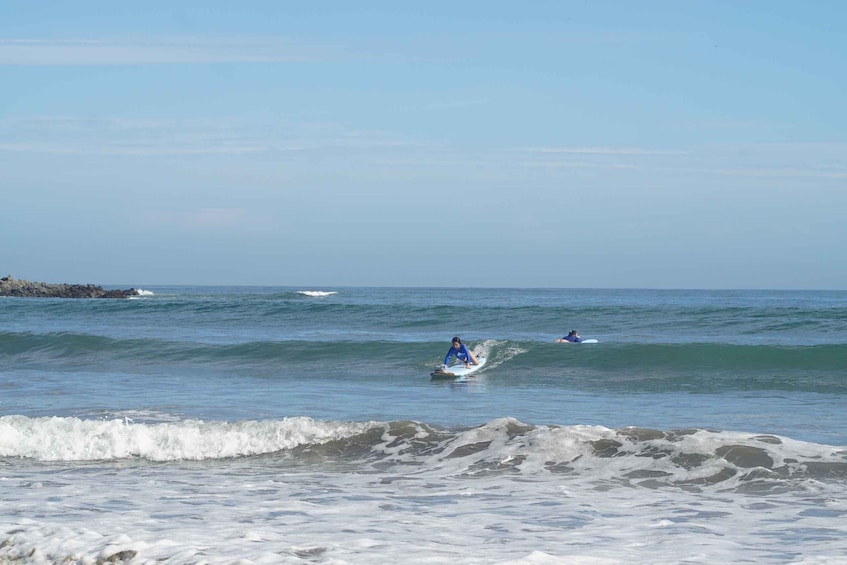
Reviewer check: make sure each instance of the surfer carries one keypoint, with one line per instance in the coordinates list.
(572, 337)
(461, 352)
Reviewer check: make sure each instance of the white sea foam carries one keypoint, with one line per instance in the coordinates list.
(73, 439)
(225, 512)
(317, 293)
(505, 351)
(487, 494)
(630, 455)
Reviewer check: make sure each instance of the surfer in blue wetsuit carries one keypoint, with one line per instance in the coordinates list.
(572, 337)
(461, 352)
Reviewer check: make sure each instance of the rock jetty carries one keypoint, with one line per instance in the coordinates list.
(27, 289)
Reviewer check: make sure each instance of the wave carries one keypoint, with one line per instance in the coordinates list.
(58, 346)
(697, 367)
(690, 458)
(605, 355)
(317, 293)
(407, 313)
(74, 439)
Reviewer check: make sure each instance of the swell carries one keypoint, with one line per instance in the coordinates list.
(650, 367)
(72, 346)
(609, 356)
(704, 367)
(696, 356)
(444, 311)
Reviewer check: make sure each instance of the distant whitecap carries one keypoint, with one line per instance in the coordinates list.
(316, 293)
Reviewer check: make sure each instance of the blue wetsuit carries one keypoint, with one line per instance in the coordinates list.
(462, 354)
(572, 339)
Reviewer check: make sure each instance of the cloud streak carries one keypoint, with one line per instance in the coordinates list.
(34, 52)
(117, 136)
(766, 160)
(68, 135)
(636, 151)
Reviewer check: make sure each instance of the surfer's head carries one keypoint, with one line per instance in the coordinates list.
(457, 341)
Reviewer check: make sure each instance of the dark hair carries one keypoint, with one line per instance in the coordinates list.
(573, 332)
(456, 340)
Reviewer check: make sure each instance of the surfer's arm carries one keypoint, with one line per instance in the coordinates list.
(449, 355)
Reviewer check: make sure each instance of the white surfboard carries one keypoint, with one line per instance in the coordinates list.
(590, 341)
(457, 371)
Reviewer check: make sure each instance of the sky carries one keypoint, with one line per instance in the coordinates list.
(563, 144)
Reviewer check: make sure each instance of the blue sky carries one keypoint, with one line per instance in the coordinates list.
(658, 144)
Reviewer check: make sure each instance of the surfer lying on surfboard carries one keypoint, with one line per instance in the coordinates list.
(461, 352)
(572, 337)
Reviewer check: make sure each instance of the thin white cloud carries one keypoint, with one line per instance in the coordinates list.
(69, 135)
(769, 172)
(766, 160)
(574, 165)
(162, 51)
(637, 151)
(66, 149)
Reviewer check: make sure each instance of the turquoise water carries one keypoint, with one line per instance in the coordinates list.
(743, 360)
(691, 400)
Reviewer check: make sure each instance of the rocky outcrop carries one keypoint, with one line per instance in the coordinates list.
(27, 289)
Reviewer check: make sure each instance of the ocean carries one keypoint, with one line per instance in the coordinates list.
(250, 425)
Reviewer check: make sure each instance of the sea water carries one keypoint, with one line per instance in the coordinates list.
(300, 425)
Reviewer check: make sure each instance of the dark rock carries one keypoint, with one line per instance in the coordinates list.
(27, 289)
